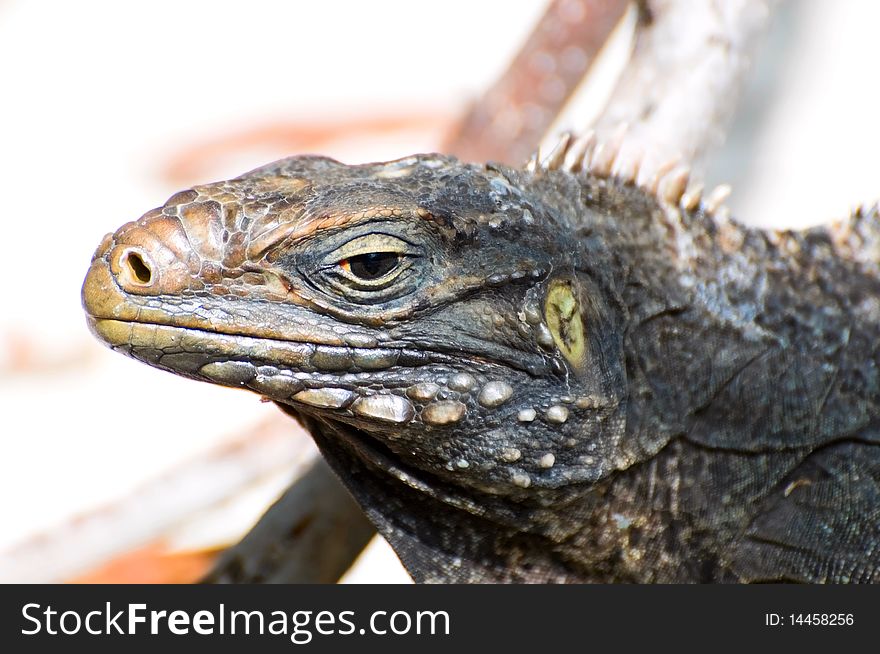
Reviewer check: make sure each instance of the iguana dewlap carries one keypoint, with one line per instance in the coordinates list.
(546, 374)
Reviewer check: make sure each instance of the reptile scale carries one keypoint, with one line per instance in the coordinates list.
(547, 374)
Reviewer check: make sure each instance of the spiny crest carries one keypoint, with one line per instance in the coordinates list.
(867, 212)
(670, 183)
(857, 237)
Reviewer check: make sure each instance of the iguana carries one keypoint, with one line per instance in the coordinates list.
(547, 374)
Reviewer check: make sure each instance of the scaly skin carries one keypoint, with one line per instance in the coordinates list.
(541, 375)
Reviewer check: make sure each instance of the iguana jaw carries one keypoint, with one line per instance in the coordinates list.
(432, 401)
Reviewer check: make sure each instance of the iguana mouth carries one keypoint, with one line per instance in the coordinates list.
(238, 359)
(216, 345)
(389, 386)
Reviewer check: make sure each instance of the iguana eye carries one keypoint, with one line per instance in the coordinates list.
(371, 266)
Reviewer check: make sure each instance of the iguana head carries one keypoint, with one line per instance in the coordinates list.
(440, 314)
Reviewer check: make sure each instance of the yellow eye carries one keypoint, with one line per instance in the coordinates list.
(371, 266)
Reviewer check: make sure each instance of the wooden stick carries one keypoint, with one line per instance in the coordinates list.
(677, 95)
(310, 535)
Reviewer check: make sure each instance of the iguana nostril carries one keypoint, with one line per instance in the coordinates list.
(135, 269)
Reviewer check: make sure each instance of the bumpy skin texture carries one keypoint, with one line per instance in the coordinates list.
(532, 376)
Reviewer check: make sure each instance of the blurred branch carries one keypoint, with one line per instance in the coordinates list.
(310, 535)
(199, 162)
(155, 563)
(507, 123)
(23, 353)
